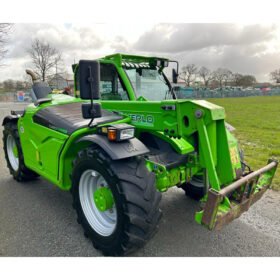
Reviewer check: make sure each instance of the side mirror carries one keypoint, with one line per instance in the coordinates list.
(89, 74)
(91, 111)
(174, 76)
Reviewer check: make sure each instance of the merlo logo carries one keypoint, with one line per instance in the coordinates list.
(142, 119)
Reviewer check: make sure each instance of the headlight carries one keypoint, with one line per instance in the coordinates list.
(118, 132)
(127, 133)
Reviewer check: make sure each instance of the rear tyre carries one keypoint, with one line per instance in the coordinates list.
(134, 216)
(195, 188)
(13, 154)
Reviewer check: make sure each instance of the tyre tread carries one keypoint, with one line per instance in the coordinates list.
(23, 173)
(140, 199)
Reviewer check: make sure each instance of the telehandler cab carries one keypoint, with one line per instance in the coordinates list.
(122, 140)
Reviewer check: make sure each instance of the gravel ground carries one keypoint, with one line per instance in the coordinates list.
(37, 219)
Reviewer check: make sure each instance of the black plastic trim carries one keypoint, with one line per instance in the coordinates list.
(42, 101)
(41, 89)
(118, 150)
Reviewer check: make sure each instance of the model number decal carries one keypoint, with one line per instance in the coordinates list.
(142, 119)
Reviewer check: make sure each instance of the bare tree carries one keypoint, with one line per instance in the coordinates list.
(188, 74)
(5, 30)
(249, 80)
(275, 76)
(45, 58)
(237, 79)
(228, 77)
(27, 82)
(19, 85)
(243, 80)
(206, 75)
(223, 76)
(9, 85)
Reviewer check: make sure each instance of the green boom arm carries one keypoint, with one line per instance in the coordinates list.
(178, 121)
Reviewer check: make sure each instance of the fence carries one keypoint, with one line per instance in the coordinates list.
(182, 93)
(17, 96)
(189, 93)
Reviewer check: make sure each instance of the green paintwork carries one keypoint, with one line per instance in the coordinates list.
(207, 153)
(217, 112)
(205, 141)
(15, 151)
(103, 199)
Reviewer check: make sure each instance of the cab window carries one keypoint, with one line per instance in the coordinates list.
(111, 87)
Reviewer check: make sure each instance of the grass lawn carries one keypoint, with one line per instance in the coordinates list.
(257, 123)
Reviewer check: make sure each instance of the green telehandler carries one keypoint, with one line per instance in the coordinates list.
(122, 140)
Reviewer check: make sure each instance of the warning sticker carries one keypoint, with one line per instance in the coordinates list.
(234, 155)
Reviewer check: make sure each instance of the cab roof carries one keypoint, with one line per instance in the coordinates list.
(120, 59)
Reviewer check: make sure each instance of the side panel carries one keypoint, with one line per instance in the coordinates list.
(41, 147)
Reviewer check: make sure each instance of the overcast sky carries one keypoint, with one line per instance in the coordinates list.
(247, 49)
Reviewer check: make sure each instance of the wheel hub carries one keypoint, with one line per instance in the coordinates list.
(103, 199)
(12, 152)
(97, 202)
(15, 151)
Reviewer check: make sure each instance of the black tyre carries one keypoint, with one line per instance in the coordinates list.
(195, 188)
(135, 213)
(13, 154)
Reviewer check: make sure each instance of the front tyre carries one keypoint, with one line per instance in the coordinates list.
(116, 201)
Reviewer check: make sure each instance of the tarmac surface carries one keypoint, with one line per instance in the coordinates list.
(37, 219)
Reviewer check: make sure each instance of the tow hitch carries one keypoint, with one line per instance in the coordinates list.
(223, 206)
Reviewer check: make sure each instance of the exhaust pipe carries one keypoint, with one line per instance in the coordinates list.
(34, 80)
(33, 75)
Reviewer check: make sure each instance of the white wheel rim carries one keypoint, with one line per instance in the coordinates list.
(104, 223)
(10, 151)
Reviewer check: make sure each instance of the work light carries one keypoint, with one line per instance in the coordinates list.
(157, 62)
(164, 63)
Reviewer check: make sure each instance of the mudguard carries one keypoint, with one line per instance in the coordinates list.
(117, 150)
(10, 118)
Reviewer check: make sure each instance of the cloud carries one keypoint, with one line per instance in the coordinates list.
(246, 49)
(74, 42)
(62, 37)
(244, 60)
(177, 38)
(121, 45)
(239, 48)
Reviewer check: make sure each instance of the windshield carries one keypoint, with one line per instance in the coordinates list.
(149, 83)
